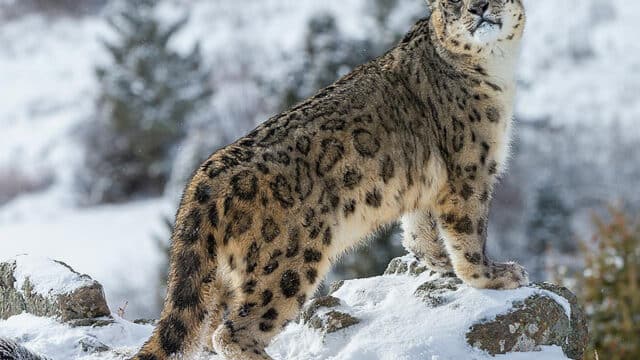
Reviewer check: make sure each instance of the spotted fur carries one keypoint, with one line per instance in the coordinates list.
(420, 133)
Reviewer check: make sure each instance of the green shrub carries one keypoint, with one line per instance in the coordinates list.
(610, 288)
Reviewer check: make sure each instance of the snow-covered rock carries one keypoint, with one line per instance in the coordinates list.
(412, 313)
(11, 350)
(409, 313)
(46, 287)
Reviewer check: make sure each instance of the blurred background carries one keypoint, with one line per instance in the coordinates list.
(107, 106)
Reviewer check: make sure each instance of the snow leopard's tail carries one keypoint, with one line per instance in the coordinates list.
(11, 350)
(195, 295)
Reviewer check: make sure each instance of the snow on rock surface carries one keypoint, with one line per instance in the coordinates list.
(58, 341)
(402, 315)
(47, 277)
(418, 315)
(47, 287)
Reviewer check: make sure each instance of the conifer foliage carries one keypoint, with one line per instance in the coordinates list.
(148, 93)
(328, 54)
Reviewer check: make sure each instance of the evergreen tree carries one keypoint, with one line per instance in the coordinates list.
(147, 95)
(328, 55)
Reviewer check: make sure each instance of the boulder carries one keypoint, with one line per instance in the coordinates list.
(45, 287)
(332, 321)
(413, 313)
(535, 321)
(406, 265)
(11, 350)
(329, 320)
(437, 292)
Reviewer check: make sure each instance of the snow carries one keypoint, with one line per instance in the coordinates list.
(395, 325)
(47, 277)
(60, 341)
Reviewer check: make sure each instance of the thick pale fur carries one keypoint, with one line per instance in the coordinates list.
(420, 133)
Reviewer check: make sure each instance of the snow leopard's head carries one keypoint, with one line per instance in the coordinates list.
(469, 27)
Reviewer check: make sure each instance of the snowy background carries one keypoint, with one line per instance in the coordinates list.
(575, 152)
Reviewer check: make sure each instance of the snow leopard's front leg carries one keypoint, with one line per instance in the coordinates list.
(422, 238)
(462, 213)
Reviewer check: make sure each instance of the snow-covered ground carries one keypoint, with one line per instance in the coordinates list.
(394, 325)
(580, 65)
(59, 341)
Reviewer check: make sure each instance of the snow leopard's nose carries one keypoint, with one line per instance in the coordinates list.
(479, 7)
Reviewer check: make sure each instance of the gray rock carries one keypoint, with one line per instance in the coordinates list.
(90, 344)
(537, 321)
(579, 335)
(406, 265)
(84, 302)
(332, 321)
(92, 322)
(335, 286)
(437, 292)
(153, 322)
(10, 350)
(311, 308)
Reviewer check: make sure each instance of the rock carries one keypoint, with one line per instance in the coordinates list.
(153, 322)
(311, 308)
(329, 321)
(406, 265)
(10, 350)
(90, 344)
(538, 320)
(51, 288)
(332, 321)
(437, 292)
(579, 335)
(92, 322)
(423, 309)
(335, 286)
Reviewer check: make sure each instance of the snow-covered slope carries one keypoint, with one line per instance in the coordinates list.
(59, 341)
(393, 323)
(396, 325)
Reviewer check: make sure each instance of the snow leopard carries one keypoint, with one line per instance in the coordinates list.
(420, 134)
